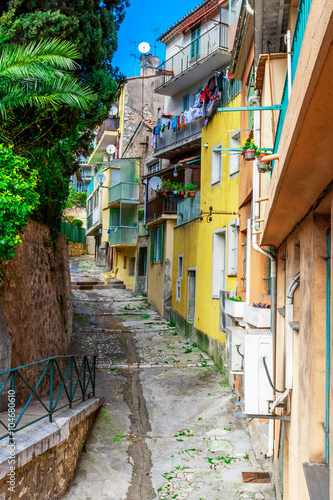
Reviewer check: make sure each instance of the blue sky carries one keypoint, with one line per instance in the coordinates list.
(142, 18)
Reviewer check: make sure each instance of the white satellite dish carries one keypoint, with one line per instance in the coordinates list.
(113, 111)
(155, 183)
(100, 178)
(144, 47)
(111, 149)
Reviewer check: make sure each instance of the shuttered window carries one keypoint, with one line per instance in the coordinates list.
(156, 244)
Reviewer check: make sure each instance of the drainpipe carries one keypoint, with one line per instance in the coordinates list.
(289, 342)
(258, 31)
(145, 206)
(288, 42)
(255, 227)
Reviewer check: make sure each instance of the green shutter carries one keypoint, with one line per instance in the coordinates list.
(162, 249)
(152, 244)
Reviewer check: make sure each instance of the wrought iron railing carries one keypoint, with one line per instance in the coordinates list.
(123, 235)
(124, 191)
(301, 21)
(67, 383)
(209, 42)
(171, 137)
(162, 204)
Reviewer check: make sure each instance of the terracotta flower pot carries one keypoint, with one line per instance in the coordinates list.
(191, 194)
(250, 154)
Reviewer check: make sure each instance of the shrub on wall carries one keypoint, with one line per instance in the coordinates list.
(18, 199)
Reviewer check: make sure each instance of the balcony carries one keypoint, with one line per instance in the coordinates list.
(187, 139)
(93, 221)
(124, 192)
(188, 209)
(123, 235)
(162, 205)
(182, 70)
(107, 134)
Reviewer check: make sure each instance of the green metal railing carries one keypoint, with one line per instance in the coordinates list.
(125, 191)
(75, 382)
(93, 183)
(73, 233)
(301, 21)
(123, 235)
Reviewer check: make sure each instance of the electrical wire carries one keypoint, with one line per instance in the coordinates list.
(258, 461)
(269, 378)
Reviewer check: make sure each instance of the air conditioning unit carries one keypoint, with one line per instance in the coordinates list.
(234, 349)
(225, 320)
(258, 391)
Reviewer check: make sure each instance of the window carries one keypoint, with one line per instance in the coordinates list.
(195, 41)
(216, 165)
(244, 259)
(180, 266)
(219, 258)
(131, 267)
(178, 290)
(153, 167)
(156, 244)
(233, 156)
(142, 265)
(232, 248)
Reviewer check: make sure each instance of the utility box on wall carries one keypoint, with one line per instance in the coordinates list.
(258, 391)
(234, 349)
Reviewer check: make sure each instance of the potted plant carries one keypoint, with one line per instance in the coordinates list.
(190, 190)
(250, 149)
(167, 186)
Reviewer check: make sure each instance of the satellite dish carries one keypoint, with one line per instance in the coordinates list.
(113, 111)
(100, 178)
(155, 183)
(111, 149)
(144, 47)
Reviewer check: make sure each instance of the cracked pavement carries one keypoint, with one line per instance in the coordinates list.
(167, 429)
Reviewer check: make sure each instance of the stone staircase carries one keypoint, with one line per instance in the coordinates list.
(95, 284)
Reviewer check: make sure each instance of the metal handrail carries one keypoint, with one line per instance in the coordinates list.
(184, 55)
(75, 375)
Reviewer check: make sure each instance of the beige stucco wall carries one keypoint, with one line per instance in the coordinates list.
(304, 437)
(160, 282)
(123, 254)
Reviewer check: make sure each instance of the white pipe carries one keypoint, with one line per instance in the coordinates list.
(289, 331)
(289, 342)
(248, 262)
(249, 8)
(288, 41)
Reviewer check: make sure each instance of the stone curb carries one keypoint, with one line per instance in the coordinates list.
(39, 437)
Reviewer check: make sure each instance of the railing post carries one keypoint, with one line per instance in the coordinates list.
(84, 378)
(12, 430)
(51, 389)
(94, 374)
(71, 383)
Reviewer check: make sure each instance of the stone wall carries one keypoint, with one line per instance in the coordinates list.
(36, 297)
(45, 466)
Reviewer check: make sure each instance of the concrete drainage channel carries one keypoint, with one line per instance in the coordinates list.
(166, 430)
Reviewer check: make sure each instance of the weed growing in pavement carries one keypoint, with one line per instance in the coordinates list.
(217, 460)
(118, 438)
(187, 351)
(204, 362)
(185, 433)
(171, 324)
(84, 448)
(80, 318)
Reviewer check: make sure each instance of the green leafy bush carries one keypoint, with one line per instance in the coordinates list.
(18, 199)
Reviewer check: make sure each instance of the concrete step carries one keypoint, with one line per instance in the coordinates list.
(119, 285)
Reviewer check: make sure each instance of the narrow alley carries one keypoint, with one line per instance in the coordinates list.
(166, 430)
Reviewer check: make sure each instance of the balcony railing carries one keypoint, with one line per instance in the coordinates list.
(110, 125)
(171, 137)
(93, 183)
(301, 21)
(89, 222)
(123, 235)
(214, 39)
(124, 191)
(188, 209)
(162, 205)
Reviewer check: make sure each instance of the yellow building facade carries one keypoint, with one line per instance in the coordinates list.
(205, 249)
